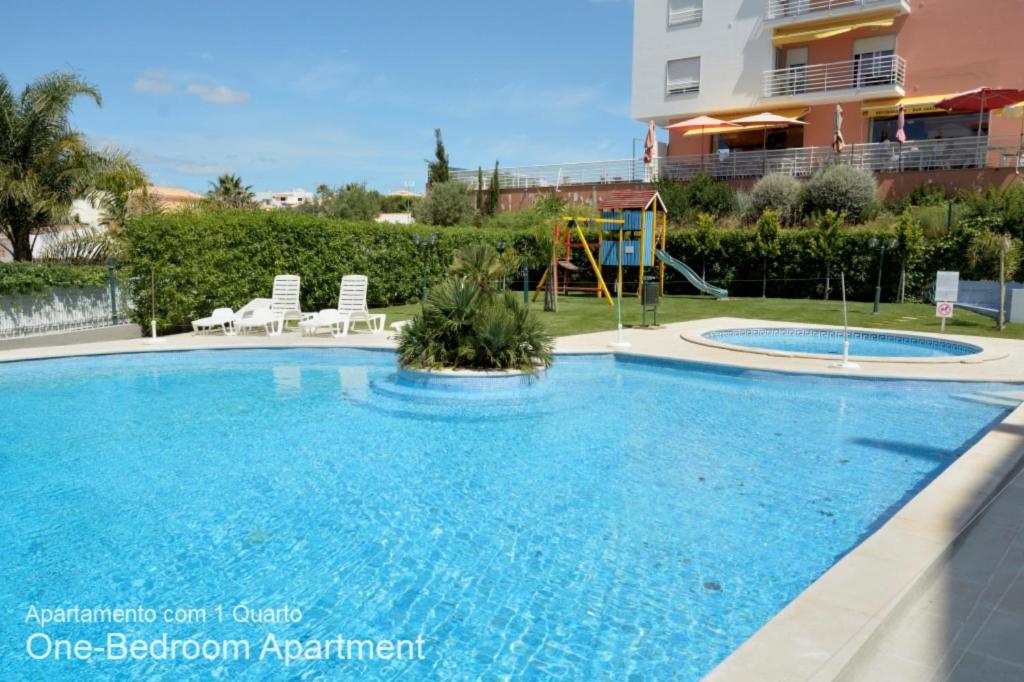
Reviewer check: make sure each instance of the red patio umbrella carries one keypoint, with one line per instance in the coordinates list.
(700, 123)
(901, 133)
(982, 100)
(901, 122)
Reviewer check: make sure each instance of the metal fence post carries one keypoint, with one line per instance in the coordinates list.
(112, 284)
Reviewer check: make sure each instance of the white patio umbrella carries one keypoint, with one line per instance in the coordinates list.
(767, 121)
(700, 123)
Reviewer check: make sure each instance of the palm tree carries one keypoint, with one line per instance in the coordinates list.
(122, 187)
(44, 163)
(229, 192)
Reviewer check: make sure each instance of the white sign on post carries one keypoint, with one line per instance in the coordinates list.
(947, 287)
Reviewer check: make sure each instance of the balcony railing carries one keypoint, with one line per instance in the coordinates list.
(778, 9)
(865, 72)
(882, 157)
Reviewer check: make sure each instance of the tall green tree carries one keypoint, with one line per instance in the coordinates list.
(493, 193)
(480, 188)
(909, 245)
(706, 241)
(767, 243)
(828, 239)
(44, 163)
(438, 170)
(350, 202)
(995, 255)
(229, 192)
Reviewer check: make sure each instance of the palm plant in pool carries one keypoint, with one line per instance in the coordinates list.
(467, 322)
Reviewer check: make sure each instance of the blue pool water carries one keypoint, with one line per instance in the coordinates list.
(830, 342)
(620, 519)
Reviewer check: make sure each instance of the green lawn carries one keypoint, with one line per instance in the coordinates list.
(579, 314)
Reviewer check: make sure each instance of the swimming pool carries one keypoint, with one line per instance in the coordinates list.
(618, 517)
(830, 342)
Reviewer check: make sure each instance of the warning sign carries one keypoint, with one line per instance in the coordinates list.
(944, 310)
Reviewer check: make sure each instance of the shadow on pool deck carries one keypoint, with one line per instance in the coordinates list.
(966, 621)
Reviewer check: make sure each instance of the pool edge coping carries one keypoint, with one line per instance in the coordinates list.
(696, 336)
(824, 629)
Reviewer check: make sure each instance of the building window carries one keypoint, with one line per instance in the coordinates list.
(685, 12)
(683, 76)
(874, 61)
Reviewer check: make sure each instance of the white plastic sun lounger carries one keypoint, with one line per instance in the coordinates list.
(221, 317)
(247, 314)
(284, 305)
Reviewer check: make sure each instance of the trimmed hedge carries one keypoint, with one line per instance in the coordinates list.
(798, 273)
(36, 278)
(212, 258)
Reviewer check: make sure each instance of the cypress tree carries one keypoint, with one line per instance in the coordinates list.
(437, 170)
(493, 193)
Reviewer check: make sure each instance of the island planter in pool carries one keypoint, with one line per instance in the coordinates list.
(828, 343)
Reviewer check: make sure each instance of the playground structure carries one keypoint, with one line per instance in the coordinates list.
(631, 233)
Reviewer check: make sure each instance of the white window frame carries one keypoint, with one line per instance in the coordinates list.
(690, 15)
(685, 86)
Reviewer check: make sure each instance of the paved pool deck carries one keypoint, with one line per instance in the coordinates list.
(937, 593)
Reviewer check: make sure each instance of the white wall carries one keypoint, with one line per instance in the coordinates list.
(734, 47)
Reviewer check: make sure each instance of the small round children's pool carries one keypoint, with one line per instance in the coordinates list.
(830, 342)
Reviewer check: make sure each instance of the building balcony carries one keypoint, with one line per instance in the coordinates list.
(951, 154)
(798, 12)
(867, 77)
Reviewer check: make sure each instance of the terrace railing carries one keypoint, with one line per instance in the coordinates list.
(829, 77)
(881, 157)
(778, 9)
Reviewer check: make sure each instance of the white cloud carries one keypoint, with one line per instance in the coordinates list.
(153, 82)
(218, 94)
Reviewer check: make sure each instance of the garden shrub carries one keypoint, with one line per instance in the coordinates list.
(446, 204)
(28, 277)
(674, 196)
(1003, 209)
(704, 194)
(843, 189)
(924, 195)
(778, 192)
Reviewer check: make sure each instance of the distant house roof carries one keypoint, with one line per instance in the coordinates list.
(404, 193)
(631, 199)
(172, 194)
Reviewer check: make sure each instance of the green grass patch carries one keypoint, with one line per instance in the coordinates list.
(581, 314)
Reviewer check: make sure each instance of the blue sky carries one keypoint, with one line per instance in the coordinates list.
(294, 94)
